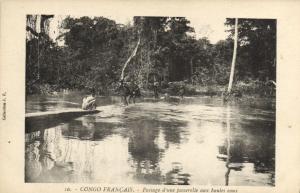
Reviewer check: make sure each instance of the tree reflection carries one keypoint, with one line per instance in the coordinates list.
(174, 131)
(54, 157)
(33, 167)
(228, 146)
(247, 143)
(144, 151)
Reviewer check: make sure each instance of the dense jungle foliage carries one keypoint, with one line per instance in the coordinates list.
(95, 50)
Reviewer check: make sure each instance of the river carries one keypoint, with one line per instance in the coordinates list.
(196, 140)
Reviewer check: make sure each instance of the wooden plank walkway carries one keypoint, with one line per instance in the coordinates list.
(42, 120)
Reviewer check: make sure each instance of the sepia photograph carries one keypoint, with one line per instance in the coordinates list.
(154, 100)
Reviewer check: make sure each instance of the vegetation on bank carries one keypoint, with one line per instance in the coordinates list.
(96, 49)
(255, 88)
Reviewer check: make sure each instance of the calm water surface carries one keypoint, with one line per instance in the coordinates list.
(197, 140)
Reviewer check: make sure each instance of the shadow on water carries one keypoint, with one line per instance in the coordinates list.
(188, 142)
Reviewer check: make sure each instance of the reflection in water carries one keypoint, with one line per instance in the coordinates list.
(249, 148)
(145, 152)
(61, 158)
(157, 143)
(229, 165)
(176, 176)
(228, 145)
(33, 165)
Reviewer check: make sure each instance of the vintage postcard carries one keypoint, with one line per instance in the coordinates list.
(150, 96)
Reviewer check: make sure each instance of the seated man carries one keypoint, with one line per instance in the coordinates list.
(89, 102)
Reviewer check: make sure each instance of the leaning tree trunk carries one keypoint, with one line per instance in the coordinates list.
(130, 57)
(234, 55)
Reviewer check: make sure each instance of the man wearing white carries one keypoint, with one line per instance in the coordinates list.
(89, 102)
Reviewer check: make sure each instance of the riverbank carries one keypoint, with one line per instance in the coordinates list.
(241, 89)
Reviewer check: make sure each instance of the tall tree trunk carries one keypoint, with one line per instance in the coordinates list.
(155, 39)
(148, 63)
(191, 66)
(234, 55)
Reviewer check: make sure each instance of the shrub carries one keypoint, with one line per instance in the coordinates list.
(254, 87)
(174, 88)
